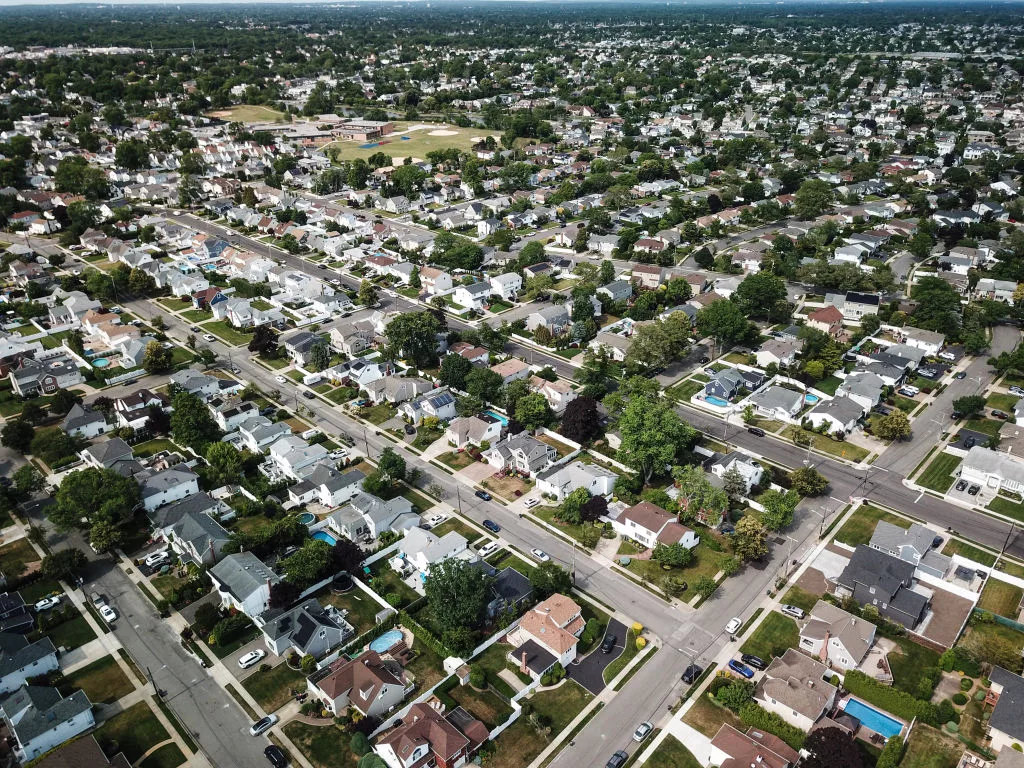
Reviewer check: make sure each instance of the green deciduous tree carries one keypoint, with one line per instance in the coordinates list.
(723, 321)
(807, 481)
(391, 466)
(225, 462)
(453, 371)
(88, 496)
(413, 337)
(812, 199)
(659, 343)
(63, 563)
(675, 555)
(157, 358)
(310, 564)
(698, 498)
(750, 539)
(760, 295)
(969, 405)
(548, 579)
(653, 436)
(17, 434)
(895, 426)
(320, 356)
(458, 594)
(484, 383)
(367, 293)
(191, 422)
(778, 508)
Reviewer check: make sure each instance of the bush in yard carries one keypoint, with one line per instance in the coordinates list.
(756, 717)
(308, 664)
(891, 755)
(966, 684)
(959, 699)
(163, 607)
(359, 744)
(735, 694)
(477, 677)
(641, 643)
(206, 619)
(393, 599)
(230, 629)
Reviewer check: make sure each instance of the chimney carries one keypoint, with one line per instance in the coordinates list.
(760, 759)
(810, 683)
(823, 653)
(522, 665)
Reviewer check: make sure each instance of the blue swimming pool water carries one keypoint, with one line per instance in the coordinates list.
(406, 138)
(873, 719)
(306, 518)
(371, 145)
(810, 399)
(715, 400)
(100, 362)
(498, 416)
(386, 640)
(324, 536)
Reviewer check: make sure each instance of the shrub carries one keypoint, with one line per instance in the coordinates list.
(308, 664)
(735, 694)
(641, 643)
(359, 744)
(891, 755)
(477, 677)
(966, 684)
(206, 619)
(230, 629)
(756, 717)
(959, 699)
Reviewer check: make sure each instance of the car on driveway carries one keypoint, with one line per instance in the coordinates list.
(1000, 415)
(740, 668)
(209, 337)
(492, 526)
(276, 756)
(436, 519)
(109, 614)
(642, 731)
(531, 503)
(262, 725)
(962, 485)
(483, 495)
(733, 625)
(608, 644)
(47, 603)
(1017, 391)
(753, 661)
(253, 657)
(540, 554)
(793, 611)
(410, 429)
(617, 760)
(156, 558)
(692, 673)
(973, 490)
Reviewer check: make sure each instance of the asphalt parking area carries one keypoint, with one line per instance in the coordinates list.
(589, 672)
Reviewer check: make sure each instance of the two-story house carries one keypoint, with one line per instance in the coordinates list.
(40, 719)
(243, 583)
(521, 453)
(561, 480)
(873, 577)
(547, 634)
(794, 688)
(836, 637)
(371, 684)
(651, 525)
(916, 545)
(426, 737)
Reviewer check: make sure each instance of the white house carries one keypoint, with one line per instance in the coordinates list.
(993, 470)
(295, 457)
(561, 480)
(421, 549)
(472, 296)
(163, 486)
(651, 525)
(243, 583)
(836, 637)
(258, 433)
(777, 402)
(473, 430)
(84, 421)
(749, 469)
(21, 660)
(40, 719)
(438, 403)
(839, 414)
(507, 286)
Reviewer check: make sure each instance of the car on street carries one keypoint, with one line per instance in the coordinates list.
(321, 266)
(956, 415)
(963, 375)
(108, 614)
(209, 337)
(156, 558)
(253, 657)
(642, 731)
(47, 603)
(540, 554)
(483, 495)
(756, 431)
(1000, 415)
(973, 490)
(617, 760)
(692, 673)
(740, 668)
(308, 395)
(410, 429)
(753, 661)
(492, 526)
(531, 503)
(280, 379)
(263, 725)
(705, 360)
(733, 625)
(962, 485)
(793, 611)
(276, 756)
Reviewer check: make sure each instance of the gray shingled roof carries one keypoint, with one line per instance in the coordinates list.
(1008, 716)
(242, 574)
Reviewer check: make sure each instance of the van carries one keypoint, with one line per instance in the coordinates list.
(488, 549)
(309, 433)
(947, 356)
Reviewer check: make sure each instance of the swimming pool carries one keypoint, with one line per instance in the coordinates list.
(100, 362)
(386, 640)
(810, 399)
(716, 401)
(324, 536)
(871, 718)
(306, 518)
(498, 416)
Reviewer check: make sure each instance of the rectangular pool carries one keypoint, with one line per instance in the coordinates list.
(873, 719)
(499, 417)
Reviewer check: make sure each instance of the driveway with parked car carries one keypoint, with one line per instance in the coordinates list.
(590, 671)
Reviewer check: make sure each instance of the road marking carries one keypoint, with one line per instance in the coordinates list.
(919, 497)
(841, 501)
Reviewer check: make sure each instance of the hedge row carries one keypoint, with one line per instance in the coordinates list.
(892, 753)
(899, 703)
(425, 636)
(755, 716)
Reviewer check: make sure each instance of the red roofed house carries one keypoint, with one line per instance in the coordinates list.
(370, 684)
(547, 634)
(651, 525)
(426, 737)
(828, 320)
(732, 749)
(206, 299)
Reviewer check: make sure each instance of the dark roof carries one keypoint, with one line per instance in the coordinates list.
(1008, 715)
(862, 298)
(82, 753)
(511, 585)
(538, 659)
(878, 569)
(174, 513)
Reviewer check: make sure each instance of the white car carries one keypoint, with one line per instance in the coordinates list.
(262, 725)
(156, 558)
(642, 731)
(531, 503)
(435, 519)
(540, 554)
(209, 337)
(792, 610)
(341, 453)
(253, 657)
(733, 625)
(47, 603)
(108, 613)
(280, 379)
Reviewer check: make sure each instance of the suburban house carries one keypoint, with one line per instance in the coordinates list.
(366, 517)
(21, 660)
(40, 719)
(915, 545)
(299, 346)
(828, 320)
(509, 591)
(873, 577)
(427, 737)
(562, 480)
(133, 410)
(258, 433)
(327, 486)
(555, 318)
(438, 403)
(558, 393)
(617, 290)
(309, 628)
(473, 430)
(474, 296)
(229, 414)
(727, 383)
(84, 421)
(646, 275)
(244, 582)
(779, 352)
(507, 286)
(196, 537)
(862, 387)
(547, 634)
(369, 683)
(44, 376)
(521, 453)
(107, 454)
(296, 458)
(837, 638)
(839, 414)
(435, 281)
(993, 470)
(853, 305)
(777, 402)
(353, 338)
(14, 614)
(159, 486)
(651, 525)
(930, 342)
(749, 468)
(82, 753)
(475, 355)
(793, 687)
(1006, 695)
(421, 549)
(511, 370)
(732, 749)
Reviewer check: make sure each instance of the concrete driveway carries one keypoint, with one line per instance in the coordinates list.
(590, 671)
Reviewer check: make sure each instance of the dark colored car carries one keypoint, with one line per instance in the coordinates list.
(410, 429)
(483, 495)
(692, 673)
(1000, 415)
(962, 485)
(973, 490)
(705, 360)
(308, 395)
(617, 760)
(276, 756)
(753, 661)
(960, 375)
(608, 645)
(492, 526)
(756, 431)
(956, 415)
(196, 329)
(740, 668)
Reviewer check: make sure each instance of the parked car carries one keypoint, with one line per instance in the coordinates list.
(531, 503)
(1017, 391)
(47, 603)
(263, 725)
(792, 610)
(905, 391)
(488, 549)
(733, 625)
(947, 356)
(436, 519)
(270, 410)
(963, 375)
(339, 454)
(617, 760)
(276, 756)
(156, 558)
(308, 395)
(540, 554)
(253, 657)
(108, 614)
(740, 668)
(608, 644)
(97, 599)
(1000, 415)
(209, 337)
(280, 379)
(753, 661)
(962, 485)
(973, 490)
(956, 415)
(492, 526)
(483, 495)
(642, 731)
(756, 431)
(410, 429)
(705, 360)
(692, 673)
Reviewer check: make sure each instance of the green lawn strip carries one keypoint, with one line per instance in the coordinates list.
(579, 727)
(226, 332)
(749, 622)
(629, 650)
(1001, 598)
(103, 681)
(801, 598)
(939, 474)
(547, 514)
(133, 731)
(176, 724)
(772, 637)
(272, 688)
(196, 315)
(324, 746)
(249, 711)
(140, 678)
(962, 548)
(861, 524)
(493, 661)
(1002, 402)
(829, 385)
(672, 754)
(377, 414)
(154, 446)
(419, 502)
(989, 427)
(1005, 506)
(981, 637)
(342, 395)
(684, 390)
(70, 634)
(168, 756)
(843, 450)
(361, 609)
(636, 668)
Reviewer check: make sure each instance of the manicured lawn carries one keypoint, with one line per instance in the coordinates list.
(843, 450)
(154, 446)
(419, 142)
(420, 503)
(672, 754)
(271, 688)
(103, 681)
(1002, 402)
(362, 609)
(483, 705)
(456, 460)
(772, 637)
(829, 385)
(962, 548)
(708, 563)
(386, 581)
(990, 427)
(548, 514)
(1001, 598)
(909, 664)
(520, 744)
(562, 448)
(860, 526)
(197, 315)
(377, 414)
(707, 717)
(1005, 506)
(70, 634)
(628, 652)
(454, 524)
(685, 390)
(324, 746)
(930, 748)
(226, 332)
(168, 756)
(132, 731)
(427, 667)
(39, 589)
(342, 395)
(939, 474)
(426, 438)
(801, 598)
(248, 113)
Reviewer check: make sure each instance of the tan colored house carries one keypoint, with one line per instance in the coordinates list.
(369, 683)
(794, 688)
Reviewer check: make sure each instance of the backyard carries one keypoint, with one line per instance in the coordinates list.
(1001, 598)
(485, 706)
(911, 665)
(520, 744)
(361, 609)
(772, 637)
(930, 748)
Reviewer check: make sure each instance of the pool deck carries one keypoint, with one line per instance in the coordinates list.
(864, 733)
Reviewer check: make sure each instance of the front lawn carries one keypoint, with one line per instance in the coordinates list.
(861, 525)
(377, 414)
(772, 637)
(989, 427)
(324, 746)
(454, 524)
(426, 437)
(226, 332)
(629, 650)
(708, 717)
(1005, 506)
(841, 449)
(939, 474)
(456, 460)
(133, 731)
(168, 756)
(70, 634)
(1002, 402)
(684, 390)
(507, 486)
(801, 598)
(272, 688)
(16, 557)
(672, 754)
(971, 552)
(103, 681)
(1001, 598)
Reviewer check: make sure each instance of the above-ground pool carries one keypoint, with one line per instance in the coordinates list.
(498, 416)
(871, 718)
(100, 362)
(716, 401)
(306, 518)
(810, 399)
(324, 536)
(386, 640)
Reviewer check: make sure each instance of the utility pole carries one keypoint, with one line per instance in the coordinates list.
(458, 495)
(1006, 543)
(572, 569)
